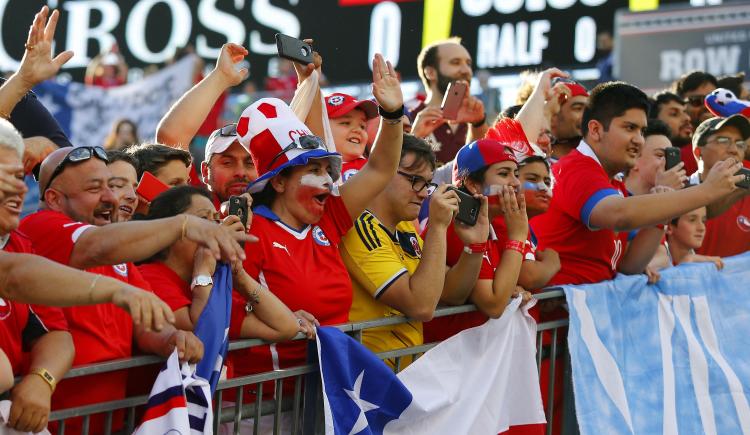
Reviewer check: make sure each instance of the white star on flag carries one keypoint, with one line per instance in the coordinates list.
(363, 405)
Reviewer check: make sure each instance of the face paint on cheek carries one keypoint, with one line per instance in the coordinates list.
(310, 199)
(317, 181)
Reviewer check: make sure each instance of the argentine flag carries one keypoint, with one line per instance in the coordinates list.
(480, 381)
(666, 358)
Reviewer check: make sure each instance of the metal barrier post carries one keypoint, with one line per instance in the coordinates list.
(569, 422)
(312, 392)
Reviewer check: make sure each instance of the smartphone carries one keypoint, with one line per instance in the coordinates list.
(294, 49)
(672, 157)
(745, 184)
(452, 99)
(468, 208)
(150, 187)
(557, 80)
(238, 207)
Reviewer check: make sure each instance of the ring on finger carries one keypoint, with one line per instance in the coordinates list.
(29, 46)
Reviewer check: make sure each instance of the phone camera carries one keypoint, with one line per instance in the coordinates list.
(304, 51)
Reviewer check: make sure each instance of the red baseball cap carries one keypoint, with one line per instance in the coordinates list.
(340, 104)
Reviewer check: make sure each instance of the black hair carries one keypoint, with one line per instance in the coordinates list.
(510, 112)
(268, 194)
(662, 98)
(170, 203)
(732, 82)
(533, 159)
(153, 156)
(121, 156)
(610, 100)
(691, 81)
(428, 57)
(657, 127)
(422, 151)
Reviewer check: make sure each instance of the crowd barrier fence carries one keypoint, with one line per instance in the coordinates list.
(302, 412)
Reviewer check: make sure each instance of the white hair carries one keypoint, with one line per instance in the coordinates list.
(10, 138)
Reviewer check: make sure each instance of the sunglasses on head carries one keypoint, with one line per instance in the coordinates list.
(79, 154)
(228, 130)
(307, 142)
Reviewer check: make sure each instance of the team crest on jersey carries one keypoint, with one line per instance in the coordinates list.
(5, 309)
(415, 246)
(121, 269)
(744, 223)
(320, 237)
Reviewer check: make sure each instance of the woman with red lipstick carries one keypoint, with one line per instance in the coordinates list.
(300, 215)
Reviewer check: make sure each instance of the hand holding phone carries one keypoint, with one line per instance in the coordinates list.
(150, 187)
(294, 49)
(671, 157)
(745, 183)
(468, 207)
(453, 98)
(238, 207)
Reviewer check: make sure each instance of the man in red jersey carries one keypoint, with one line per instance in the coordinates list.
(589, 206)
(73, 228)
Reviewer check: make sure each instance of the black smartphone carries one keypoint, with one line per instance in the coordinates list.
(238, 207)
(468, 208)
(745, 183)
(672, 157)
(294, 49)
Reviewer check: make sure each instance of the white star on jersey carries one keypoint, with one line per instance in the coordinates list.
(363, 405)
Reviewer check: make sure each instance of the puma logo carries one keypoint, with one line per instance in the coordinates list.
(280, 246)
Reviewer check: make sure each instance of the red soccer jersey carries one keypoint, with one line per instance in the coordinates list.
(586, 255)
(167, 285)
(729, 233)
(100, 332)
(352, 167)
(444, 327)
(303, 268)
(20, 324)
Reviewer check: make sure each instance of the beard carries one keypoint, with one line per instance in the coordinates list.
(443, 81)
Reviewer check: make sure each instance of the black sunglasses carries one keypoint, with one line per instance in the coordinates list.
(228, 130)
(79, 154)
(307, 142)
(696, 100)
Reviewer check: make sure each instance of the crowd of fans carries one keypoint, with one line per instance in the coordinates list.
(353, 213)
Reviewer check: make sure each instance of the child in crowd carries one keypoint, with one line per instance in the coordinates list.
(684, 235)
(349, 118)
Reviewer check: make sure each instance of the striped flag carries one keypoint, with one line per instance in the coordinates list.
(666, 358)
(180, 399)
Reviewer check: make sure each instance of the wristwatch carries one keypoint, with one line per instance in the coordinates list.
(201, 280)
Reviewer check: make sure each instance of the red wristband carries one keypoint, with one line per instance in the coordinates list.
(516, 245)
(476, 248)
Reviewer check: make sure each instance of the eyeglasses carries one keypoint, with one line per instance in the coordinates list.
(725, 142)
(307, 142)
(696, 100)
(79, 154)
(418, 183)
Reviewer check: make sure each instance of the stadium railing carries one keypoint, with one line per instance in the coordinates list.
(301, 412)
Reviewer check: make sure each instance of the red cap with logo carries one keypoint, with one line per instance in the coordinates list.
(340, 104)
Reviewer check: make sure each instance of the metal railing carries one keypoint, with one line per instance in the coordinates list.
(301, 412)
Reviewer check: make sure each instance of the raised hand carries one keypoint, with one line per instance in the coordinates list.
(514, 211)
(11, 181)
(38, 64)
(471, 110)
(230, 55)
(722, 180)
(443, 206)
(305, 71)
(426, 121)
(674, 178)
(220, 241)
(385, 84)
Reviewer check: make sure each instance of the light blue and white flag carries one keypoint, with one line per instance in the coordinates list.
(480, 381)
(87, 113)
(667, 358)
